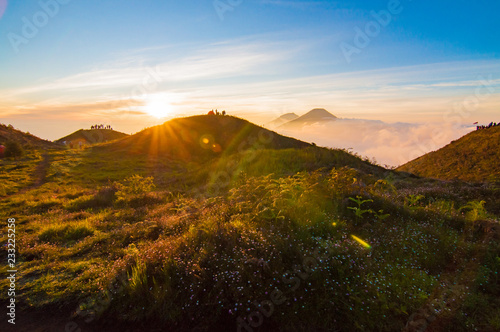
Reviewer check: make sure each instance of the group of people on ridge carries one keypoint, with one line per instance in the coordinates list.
(101, 126)
(216, 112)
(492, 124)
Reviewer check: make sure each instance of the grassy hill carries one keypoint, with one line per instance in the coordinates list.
(474, 157)
(201, 137)
(27, 140)
(252, 234)
(200, 148)
(91, 136)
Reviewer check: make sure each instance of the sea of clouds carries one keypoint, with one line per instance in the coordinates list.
(390, 144)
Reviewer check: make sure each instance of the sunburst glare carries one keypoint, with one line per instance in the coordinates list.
(159, 106)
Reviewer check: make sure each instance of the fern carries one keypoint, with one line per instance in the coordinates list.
(358, 211)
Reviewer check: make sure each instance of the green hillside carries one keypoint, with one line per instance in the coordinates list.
(474, 157)
(248, 230)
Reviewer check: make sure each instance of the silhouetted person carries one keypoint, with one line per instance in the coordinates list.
(223, 113)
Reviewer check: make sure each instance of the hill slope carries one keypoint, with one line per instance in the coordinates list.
(27, 140)
(201, 137)
(474, 157)
(92, 136)
(316, 115)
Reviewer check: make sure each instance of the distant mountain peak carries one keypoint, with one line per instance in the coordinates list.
(317, 115)
(282, 119)
(289, 116)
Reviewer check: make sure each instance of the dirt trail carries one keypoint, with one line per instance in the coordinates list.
(41, 172)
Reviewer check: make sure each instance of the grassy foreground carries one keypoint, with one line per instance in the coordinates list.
(286, 240)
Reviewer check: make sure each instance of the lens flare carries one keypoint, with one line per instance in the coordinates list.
(363, 243)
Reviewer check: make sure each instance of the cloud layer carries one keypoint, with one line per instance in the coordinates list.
(387, 144)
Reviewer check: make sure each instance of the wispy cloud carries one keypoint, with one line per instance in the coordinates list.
(390, 94)
(216, 61)
(251, 78)
(57, 110)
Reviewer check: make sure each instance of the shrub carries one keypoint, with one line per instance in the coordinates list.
(134, 186)
(13, 149)
(475, 210)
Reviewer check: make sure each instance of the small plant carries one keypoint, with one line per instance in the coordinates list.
(412, 200)
(381, 215)
(382, 187)
(475, 211)
(358, 211)
(344, 181)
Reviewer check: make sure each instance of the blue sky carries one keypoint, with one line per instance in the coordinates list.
(137, 63)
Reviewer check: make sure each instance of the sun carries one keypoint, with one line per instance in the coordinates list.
(158, 106)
